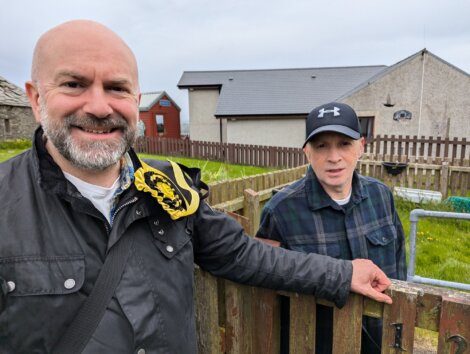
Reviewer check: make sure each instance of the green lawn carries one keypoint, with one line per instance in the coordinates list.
(213, 171)
(442, 245)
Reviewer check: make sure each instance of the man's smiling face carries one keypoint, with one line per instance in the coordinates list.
(87, 94)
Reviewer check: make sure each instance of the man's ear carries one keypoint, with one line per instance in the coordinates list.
(33, 96)
(306, 151)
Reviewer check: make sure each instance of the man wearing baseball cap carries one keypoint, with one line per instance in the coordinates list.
(335, 211)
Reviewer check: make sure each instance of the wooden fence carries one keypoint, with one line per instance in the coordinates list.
(404, 147)
(233, 318)
(255, 155)
(433, 174)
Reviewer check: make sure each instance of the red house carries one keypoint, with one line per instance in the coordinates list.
(160, 115)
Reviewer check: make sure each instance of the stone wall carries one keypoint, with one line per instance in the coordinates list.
(16, 123)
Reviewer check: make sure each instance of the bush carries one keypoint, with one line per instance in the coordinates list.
(15, 144)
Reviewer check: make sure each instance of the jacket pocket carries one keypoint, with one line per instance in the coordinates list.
(43, 275)
(43, 296)
(382, 236)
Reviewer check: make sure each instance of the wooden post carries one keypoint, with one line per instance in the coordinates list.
(347, 326)
(207, 316)
(251, 210)
(238, 332)
(266, 322)
(399, 317)
(454, 329)
(444, 178)
(302, 324)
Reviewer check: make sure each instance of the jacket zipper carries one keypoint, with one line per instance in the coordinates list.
(133, 200)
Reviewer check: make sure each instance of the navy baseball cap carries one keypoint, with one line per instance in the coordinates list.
(333, 117)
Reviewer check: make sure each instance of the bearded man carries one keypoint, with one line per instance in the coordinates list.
(97, 248)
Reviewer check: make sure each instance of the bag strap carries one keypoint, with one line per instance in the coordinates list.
(91, 312)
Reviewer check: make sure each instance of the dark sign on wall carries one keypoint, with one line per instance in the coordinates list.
(403, 114)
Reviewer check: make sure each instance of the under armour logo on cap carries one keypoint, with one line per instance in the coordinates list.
(335, 112)
(332, 117)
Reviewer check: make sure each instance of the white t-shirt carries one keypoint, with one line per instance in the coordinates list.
(101, 197)
(345, 200)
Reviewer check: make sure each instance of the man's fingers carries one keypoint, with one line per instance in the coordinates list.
(378, 296)
(369, 280)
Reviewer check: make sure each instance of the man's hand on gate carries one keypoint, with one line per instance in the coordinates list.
(369, 280)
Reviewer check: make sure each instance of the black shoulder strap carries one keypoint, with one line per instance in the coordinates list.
(90, 314)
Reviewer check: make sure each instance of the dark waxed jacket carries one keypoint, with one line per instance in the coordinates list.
(53, 244)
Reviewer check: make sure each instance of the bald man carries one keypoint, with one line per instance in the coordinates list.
(96, 246)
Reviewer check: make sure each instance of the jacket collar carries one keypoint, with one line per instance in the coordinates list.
(317, 197)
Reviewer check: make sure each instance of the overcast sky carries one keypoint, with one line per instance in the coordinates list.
(169, 37)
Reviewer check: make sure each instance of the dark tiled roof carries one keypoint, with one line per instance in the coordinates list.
(279, 91)
(12, 95)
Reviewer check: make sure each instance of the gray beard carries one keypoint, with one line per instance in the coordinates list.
(88, 155)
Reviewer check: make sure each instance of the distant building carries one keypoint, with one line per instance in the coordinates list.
(420, 95)
(160, 115)
(16, 117)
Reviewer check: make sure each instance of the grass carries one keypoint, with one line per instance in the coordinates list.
(6, 154)
(213, 171)
(442, 245)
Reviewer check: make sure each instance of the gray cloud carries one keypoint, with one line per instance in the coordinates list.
(169, 37)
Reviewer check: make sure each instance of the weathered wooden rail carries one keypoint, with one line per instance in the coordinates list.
(233, 318)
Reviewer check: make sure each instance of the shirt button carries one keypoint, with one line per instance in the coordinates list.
(169, 248)
(11, 286)
(69, 284)
(141, 351)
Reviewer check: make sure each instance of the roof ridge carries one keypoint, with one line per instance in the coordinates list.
(152, 92)
(285, 69)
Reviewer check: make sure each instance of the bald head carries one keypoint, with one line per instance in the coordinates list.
(82, 39)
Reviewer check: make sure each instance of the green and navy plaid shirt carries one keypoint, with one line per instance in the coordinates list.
(303, 217)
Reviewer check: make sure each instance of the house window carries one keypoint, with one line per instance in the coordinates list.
(367, 127)
(160, 125)
(7, 126)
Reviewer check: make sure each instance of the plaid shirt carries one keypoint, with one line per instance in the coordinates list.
(303, 217)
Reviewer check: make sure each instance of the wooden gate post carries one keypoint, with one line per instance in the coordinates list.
(444, 178)
(251, 209)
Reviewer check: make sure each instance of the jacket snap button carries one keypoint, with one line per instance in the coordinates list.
(11, 286)
(384, 239)
(156, 222)
(141, 351)
(69, 283)
(169, 248)
(161, 232)
(138, 212)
